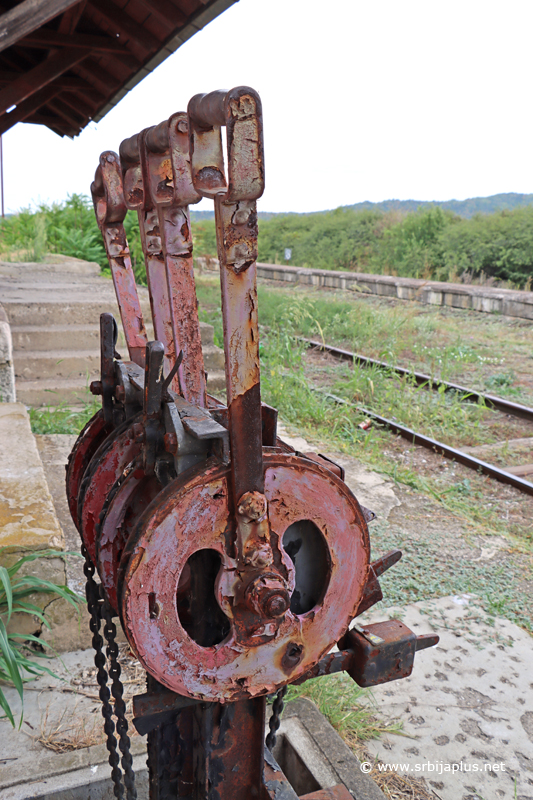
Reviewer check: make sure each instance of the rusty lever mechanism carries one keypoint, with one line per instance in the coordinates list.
(234, 563)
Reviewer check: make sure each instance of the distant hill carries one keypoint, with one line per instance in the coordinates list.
(464, 208)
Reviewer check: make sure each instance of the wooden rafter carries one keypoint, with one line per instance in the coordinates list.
(26, 108)
(65, 73)
(77, 104)
(27, 17)
(126, 26)
(166, 12)
(98, 73)
(74, 119)
(39, 77)
(48, 39)
(56, 124)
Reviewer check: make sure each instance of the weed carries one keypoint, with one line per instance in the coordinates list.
(61, 419)
(16, 666)
(341, 702)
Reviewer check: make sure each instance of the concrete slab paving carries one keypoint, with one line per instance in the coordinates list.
(467, 709)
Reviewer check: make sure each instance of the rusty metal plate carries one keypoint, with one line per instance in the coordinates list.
(87, 443)
(132, 494)
(107, 465)
(192, 516)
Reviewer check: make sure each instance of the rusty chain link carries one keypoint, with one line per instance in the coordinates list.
(275, 720)
(98, 613)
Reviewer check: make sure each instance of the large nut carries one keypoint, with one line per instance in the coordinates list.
(95, 387)
(268, 596)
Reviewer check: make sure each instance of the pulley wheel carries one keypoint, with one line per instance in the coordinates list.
(179, 566)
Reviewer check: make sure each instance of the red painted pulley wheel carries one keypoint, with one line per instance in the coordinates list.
(87, 443)
(127, 501)
(107, 465)
(186, 538)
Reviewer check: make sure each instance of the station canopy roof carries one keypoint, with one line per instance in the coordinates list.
(64, 63)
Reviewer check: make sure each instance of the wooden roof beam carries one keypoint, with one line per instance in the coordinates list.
(56, 124)
(78, 104)
(27, 17)
(48, 39)
(26, 108)
(126, 26)
(98, 73)
(74, 119)
(40, 76)
(66, 83)
(166, 12)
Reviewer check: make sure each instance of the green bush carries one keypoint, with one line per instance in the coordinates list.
(428, 243)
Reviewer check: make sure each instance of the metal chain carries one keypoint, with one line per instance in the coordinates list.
(93, 603)
(117, 689)
(275, 720)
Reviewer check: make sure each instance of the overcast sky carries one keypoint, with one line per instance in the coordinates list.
(362, 100)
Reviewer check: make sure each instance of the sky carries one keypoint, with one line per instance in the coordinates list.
(362, 100)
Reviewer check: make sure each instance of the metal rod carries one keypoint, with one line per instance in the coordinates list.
(2, 172)
(427, 381)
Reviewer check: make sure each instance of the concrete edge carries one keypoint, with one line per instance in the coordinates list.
(335, 752)
(7, 367)
(52, 765)
(510, 302)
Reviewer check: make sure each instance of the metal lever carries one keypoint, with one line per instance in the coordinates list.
(153, 396)
(236, 224)
(137, 198)
(110, 210)
(167, 179)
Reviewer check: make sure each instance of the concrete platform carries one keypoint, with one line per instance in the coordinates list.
(467, 709)
(489, 299)
(27, 516)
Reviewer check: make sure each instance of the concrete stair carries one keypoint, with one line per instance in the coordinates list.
(54, 313)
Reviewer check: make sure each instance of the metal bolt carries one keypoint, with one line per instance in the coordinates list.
(171, 443)
(252, 506)
(96, 387)
(183, 126)
(120, 394)
(276, 605)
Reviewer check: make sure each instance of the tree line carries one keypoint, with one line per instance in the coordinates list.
(429, 243)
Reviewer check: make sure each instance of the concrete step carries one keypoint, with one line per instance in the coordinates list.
(77, 337)
(74, 392)
(53, 263)
(213, 358)
(32, 365)
(69, 311)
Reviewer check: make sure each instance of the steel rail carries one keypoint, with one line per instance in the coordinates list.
(490, 400)
(439, 447)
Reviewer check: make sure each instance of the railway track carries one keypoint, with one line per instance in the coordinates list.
(426, 381)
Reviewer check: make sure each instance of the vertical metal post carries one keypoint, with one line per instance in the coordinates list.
(2, 172)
